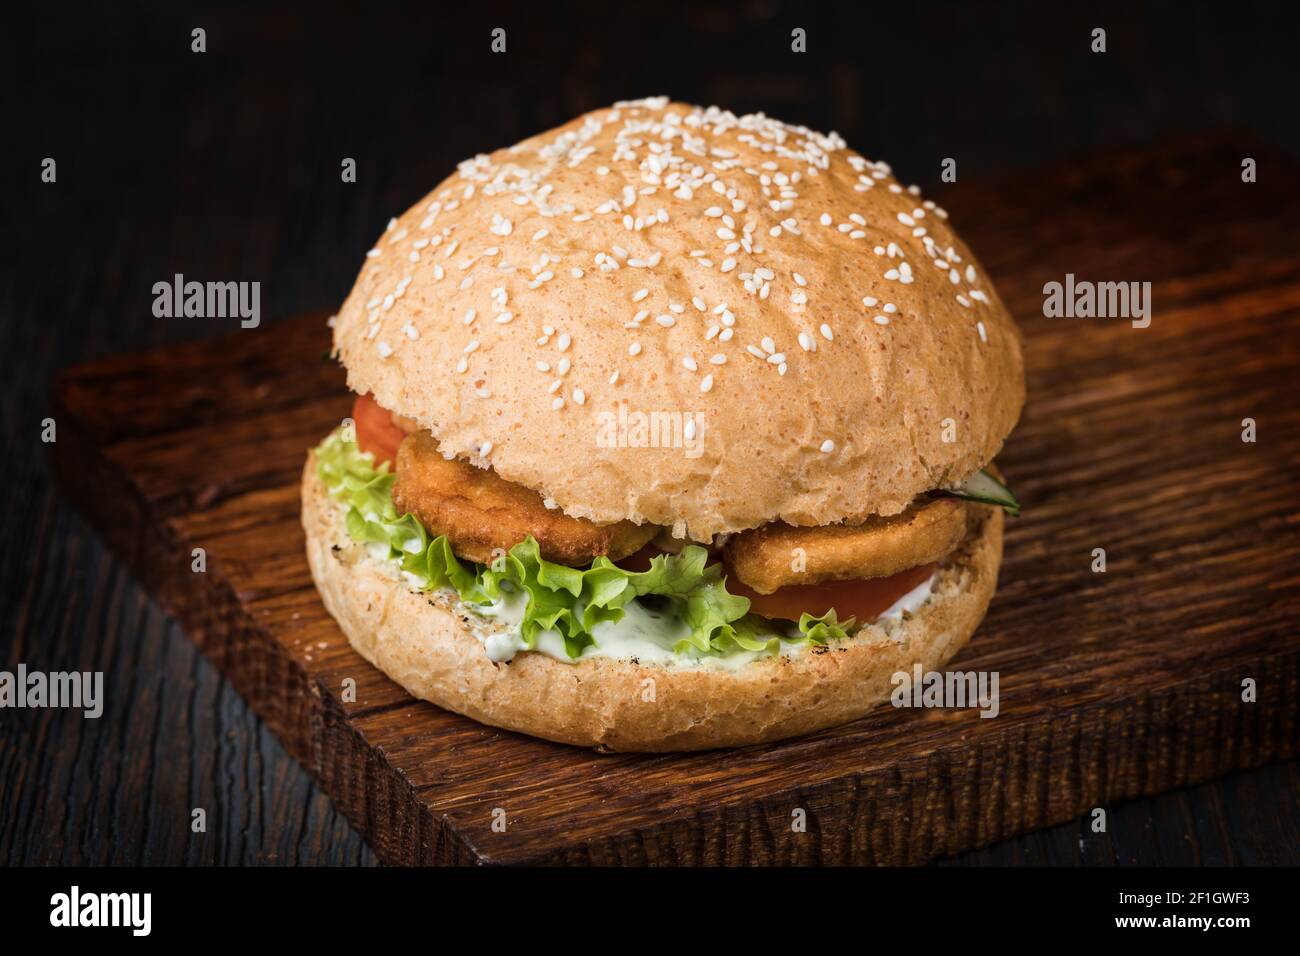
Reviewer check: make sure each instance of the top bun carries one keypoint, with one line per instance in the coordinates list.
(798, 336)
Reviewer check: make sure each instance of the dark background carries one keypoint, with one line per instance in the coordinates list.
(226, 165)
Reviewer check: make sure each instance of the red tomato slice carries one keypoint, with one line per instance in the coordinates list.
(376, 432)
(865, 599)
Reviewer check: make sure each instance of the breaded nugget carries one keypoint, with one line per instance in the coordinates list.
(777, 554)
(481, 513)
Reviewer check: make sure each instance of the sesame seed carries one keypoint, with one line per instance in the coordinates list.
(706, 383)
(384, 349)
(828, 446)
(667, 321)
(579, 396)
(557, 402)
(634, 348)
(826, 332)
(984, 336)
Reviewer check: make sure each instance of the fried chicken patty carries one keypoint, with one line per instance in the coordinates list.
(482, 513)
(778, 554)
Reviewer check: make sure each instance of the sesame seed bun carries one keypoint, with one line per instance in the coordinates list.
(838, 348)
(420, 641)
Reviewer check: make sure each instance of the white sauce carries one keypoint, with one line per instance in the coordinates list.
(644, 635)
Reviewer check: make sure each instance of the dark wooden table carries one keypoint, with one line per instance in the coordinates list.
(225, 166)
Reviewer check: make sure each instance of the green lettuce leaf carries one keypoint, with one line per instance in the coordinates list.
(821, 630)
(750, 633)
(559, 598)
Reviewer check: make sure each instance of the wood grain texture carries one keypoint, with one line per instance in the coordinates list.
(1113, 686)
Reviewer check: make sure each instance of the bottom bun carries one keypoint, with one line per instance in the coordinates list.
(419, 640)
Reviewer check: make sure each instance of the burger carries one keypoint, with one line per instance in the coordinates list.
(674, 429)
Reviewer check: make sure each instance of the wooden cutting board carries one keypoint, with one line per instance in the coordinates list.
(1113, 685)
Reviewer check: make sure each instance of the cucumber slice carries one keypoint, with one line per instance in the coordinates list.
(986, 489)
